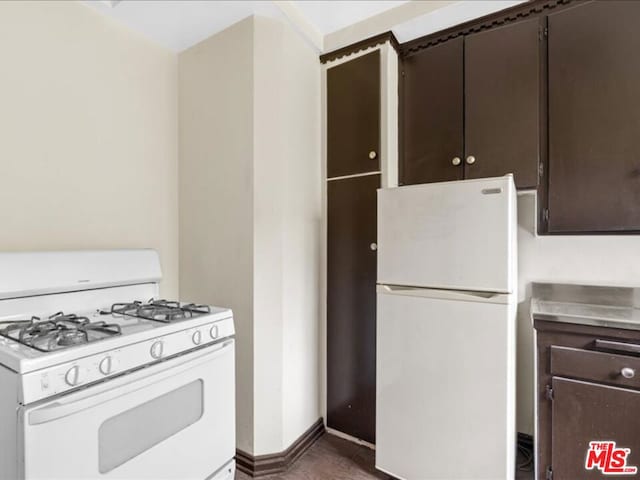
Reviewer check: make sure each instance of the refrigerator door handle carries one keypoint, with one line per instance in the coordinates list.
(462, 295)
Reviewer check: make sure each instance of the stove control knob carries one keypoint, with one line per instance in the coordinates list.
(106, 365)
(197, 337)
(73, 376)
(156, 349)
(214, 332)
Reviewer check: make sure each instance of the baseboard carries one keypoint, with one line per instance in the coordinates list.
(263, 465)
(346, 436)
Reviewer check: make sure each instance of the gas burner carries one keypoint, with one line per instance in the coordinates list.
(58, 331)
(165, 311)
(69, 337)
(199, 309)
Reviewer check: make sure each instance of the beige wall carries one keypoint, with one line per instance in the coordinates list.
(250, 213)
(216, 191)
(287, 219)
(88, 150)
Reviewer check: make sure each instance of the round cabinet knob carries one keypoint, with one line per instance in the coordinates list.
(156, 350)
(471, 160)
(373, 246)
(73, 376)
(628, 373)
(106, 365)
(214, 332)
(197, 337)
(373, 155)
(455, 161)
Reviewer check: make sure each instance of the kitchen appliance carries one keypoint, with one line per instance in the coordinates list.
(101, 379)
(446, 313)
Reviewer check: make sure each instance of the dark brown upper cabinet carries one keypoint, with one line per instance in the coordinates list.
(432, 114)
(471, 107)
(353, 116)
(594, 119)
(502, 102)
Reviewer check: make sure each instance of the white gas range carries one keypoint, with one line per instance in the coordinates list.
(99, 380)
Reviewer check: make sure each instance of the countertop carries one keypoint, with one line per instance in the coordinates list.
(613, 307)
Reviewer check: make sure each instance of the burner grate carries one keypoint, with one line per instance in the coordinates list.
(58, 331)
(165, 311)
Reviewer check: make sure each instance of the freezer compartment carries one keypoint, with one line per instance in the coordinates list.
(451, 235)
(445, 386)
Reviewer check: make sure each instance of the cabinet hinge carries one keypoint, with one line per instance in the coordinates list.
(540, 169)
(545, 215)
(549, 473)
(548, 392)
(544, 32)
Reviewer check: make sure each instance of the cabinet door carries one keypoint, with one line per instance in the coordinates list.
(502, 102)
(594, 118)
(432, 114)
(351, 306)
(586, 412)
(353, 116)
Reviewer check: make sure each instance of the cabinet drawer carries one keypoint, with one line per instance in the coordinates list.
(622, 370)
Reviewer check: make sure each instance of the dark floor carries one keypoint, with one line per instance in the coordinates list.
(332, 458)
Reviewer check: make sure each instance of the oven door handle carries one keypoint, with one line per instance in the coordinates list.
(62, 408)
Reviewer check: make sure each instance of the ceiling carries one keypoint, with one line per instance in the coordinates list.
(448, 16)
(331, 15)
(179, 24)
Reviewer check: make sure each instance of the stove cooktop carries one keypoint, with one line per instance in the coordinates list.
(60, 331)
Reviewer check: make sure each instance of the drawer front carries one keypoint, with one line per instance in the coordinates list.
(614, 369)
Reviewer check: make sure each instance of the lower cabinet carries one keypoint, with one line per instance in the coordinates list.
(594, 430)
(351, 305)
(588, 401)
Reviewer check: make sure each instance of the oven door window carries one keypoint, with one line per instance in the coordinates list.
(130, 433)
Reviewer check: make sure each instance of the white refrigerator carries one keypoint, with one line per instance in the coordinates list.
(446, 326)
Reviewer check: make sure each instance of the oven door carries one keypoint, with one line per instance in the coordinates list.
(173, 420)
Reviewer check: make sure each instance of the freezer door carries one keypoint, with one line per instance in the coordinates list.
(450, 235)
(445, 387)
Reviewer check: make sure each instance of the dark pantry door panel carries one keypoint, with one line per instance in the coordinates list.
(432, 114)
(585, 412)
(353, 116)
(502, 102)
(351, 306)
(594, 118)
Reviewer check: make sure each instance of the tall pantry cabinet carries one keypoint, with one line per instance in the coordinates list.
(353, 167)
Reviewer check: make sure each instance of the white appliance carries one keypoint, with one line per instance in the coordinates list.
(446, 324)
(118, 386)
